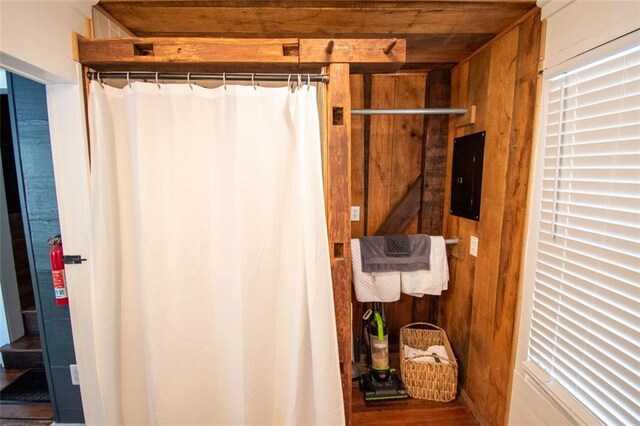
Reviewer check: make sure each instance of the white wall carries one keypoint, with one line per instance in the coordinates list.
(574, 29)
(35, 37)
(35, 41)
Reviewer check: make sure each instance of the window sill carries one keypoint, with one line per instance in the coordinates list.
(557, 395)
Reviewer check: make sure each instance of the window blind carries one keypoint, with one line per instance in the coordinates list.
(585, 330)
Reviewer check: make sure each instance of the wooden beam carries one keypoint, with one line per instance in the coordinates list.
(192, 54)
(237, 55)
(404, 212)
(361, 54)
(338, 170)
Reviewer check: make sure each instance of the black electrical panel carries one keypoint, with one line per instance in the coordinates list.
(466, 177)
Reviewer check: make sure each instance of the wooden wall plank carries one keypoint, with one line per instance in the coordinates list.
(455, 304)
(380, 152)
(513, 224)
(395, 151)
(498, 124)
(338, 218)
(478, 311)
(434, 158)
(435, 153)
(407, 139)
(357, 153)
(406, 164)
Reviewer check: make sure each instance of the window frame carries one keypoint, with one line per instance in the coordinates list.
(534, 375)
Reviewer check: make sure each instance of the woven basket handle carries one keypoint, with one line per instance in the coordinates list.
(432, 326)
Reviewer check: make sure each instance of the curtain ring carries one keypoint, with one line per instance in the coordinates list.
(289, 85)
(224, 80)
(189, 80)
(128, 80)
(299, 80)
(99, 81)
(253, 81)
(157, 82)
(308, 81)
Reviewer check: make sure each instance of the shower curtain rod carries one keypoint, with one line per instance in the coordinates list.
(137, 75)
(415, 111)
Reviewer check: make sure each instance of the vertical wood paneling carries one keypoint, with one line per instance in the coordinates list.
(478, 311)
(498, 125)
(357, 153)
(406, 163)
(393, 163)
(438, 95)
(338, 176)
(380, 152)
(513, 224)
(455, 303)
(407, 130)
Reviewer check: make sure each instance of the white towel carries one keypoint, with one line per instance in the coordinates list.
(427, 356)
(431, 282)
(376, 286)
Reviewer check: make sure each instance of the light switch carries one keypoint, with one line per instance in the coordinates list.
(75, 379)
(355, 213)
(473, 246)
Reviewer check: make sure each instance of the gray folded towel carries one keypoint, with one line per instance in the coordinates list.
(397, 245)
(374, 258)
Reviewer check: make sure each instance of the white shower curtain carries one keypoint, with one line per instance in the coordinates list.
(211, 289)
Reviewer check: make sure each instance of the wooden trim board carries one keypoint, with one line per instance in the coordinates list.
(165, 54)
(338, 196)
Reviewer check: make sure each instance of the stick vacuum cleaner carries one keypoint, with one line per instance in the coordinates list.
(381, 383)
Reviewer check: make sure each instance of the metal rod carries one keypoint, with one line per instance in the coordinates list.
(451, 241)
(136, 75)
(415, 111)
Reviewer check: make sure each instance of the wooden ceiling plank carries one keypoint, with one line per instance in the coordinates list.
(306, 3)
(432, 18)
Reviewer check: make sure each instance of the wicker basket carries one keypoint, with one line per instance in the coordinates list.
(428, 380)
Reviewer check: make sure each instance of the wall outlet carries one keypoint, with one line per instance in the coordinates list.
(473, 246)
(355, 213)
(75, 379)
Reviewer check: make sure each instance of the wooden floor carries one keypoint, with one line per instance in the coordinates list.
(22, 414)
(409, 412)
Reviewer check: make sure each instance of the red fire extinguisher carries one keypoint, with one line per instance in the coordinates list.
(57, 271)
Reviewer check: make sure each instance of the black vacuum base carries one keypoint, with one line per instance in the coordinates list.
(374, 390)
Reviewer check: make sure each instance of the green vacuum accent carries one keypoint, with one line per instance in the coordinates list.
(381, 382)
(382, 398)
(378, 318)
